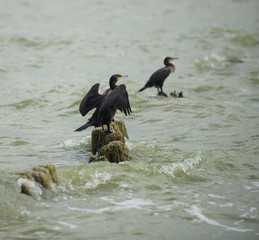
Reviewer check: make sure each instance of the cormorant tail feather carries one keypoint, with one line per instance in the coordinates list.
(85, 126)
(140, 90)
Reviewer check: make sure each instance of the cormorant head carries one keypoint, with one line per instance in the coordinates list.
(113, 80)
(168, 60)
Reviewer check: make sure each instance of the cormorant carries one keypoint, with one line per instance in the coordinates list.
(116, 97)
(157, 78)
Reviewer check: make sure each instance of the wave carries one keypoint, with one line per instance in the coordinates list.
(102, 176)
(33, 102)
(210, 62)
(135, 203)
(176, 169)
(240, 37)
(39, 43)
(196, 211)
(74, 143)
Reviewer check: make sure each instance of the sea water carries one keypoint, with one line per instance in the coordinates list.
(194, 167)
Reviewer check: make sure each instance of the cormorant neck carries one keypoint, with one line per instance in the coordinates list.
(171, 66)
(112, 84)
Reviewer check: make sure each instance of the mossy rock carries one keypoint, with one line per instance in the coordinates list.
(119, 126)
(101, 138)
(43, 174)
(26, 190)
(52, 171)
(98, 159)
(115, 151)
(42, 178)
(110, 146)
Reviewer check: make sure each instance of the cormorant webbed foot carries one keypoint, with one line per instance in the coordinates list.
(162, 94)
(108, 130)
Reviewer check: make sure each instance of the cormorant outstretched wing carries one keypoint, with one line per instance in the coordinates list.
(119, 98)
(160, 75)
(91, 100)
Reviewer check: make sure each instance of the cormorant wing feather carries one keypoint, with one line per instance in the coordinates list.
(160, 75)
(91, 100)
(107, 91)
(119, 98)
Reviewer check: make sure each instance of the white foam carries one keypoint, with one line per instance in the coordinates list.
(36, 190)
(118, 206)
(252, 209)
(97, 179)
(226, 205)
(73, 143)
(70, 225)
(195, 211)
(185, 166)
(256, 184)
(189, 163)
(215, 196)
(134, 203)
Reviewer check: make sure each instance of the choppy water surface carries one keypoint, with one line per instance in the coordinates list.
(194, 172)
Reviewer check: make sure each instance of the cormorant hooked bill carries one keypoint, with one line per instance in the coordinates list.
(116, 97)
(157, 78)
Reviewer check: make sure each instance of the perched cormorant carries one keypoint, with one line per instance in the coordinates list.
(157, 78)
(116, 97)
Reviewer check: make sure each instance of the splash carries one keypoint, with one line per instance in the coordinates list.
(74, 143)
(179, 168)
(36, 190)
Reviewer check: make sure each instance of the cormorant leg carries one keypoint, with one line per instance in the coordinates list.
(113, 120)
(109, 130)
(103, 128)
(163, 93)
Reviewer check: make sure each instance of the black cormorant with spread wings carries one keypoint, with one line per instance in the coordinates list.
(114, 98)
(157, 78)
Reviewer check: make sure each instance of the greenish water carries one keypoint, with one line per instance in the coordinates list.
(194, 172)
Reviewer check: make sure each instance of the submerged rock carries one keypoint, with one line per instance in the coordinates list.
(234, 60)
(110, 146)
(42, 174)
(98, 159)
(175, 95)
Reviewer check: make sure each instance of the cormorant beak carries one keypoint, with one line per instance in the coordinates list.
(174, 58)
(119, 78)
